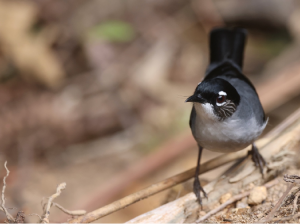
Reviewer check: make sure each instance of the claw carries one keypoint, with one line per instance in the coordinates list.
(257, 158)
(197, 186)
(197, 189)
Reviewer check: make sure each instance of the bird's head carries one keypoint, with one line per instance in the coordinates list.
(217, 97)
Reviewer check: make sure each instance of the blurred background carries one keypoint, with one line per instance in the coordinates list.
(92, 93)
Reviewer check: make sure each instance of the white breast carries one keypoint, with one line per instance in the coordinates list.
(230, 135)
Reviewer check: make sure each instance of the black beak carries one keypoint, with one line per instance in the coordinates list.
(195, 99)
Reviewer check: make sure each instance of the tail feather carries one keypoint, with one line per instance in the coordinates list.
(227, 44)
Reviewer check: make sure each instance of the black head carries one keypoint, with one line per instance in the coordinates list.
(220, 94)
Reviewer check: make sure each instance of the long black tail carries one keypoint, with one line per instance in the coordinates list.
(227, 44)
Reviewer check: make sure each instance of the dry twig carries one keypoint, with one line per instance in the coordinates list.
(232, 200)
(72, 213)
(50, 202)
(9, 217)
(45, 217)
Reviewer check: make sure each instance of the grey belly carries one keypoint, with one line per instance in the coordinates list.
(225, 137)
(223, 146)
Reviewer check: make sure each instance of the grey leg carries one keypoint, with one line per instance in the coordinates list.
(257, 158)
(197, 185)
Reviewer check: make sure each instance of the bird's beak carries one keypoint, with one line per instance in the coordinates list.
(195, 99)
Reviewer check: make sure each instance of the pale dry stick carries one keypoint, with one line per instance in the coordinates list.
(73, 213)
(46, 214)
(232, 200)
(278, 204)
(8, 215)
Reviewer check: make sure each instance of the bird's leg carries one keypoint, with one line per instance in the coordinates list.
(257, 158)
(197, 185)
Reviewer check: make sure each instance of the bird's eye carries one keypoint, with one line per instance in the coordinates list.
(220, 100)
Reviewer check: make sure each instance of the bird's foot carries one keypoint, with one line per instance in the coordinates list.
(257, 158)
(197, 189)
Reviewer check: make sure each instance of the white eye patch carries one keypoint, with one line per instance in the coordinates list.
(222, 93)
(220, 104)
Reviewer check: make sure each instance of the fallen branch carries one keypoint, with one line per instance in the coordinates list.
(232, 200)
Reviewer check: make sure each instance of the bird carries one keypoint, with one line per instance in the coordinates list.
(227, 115)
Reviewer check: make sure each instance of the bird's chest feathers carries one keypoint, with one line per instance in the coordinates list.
(231, 134)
